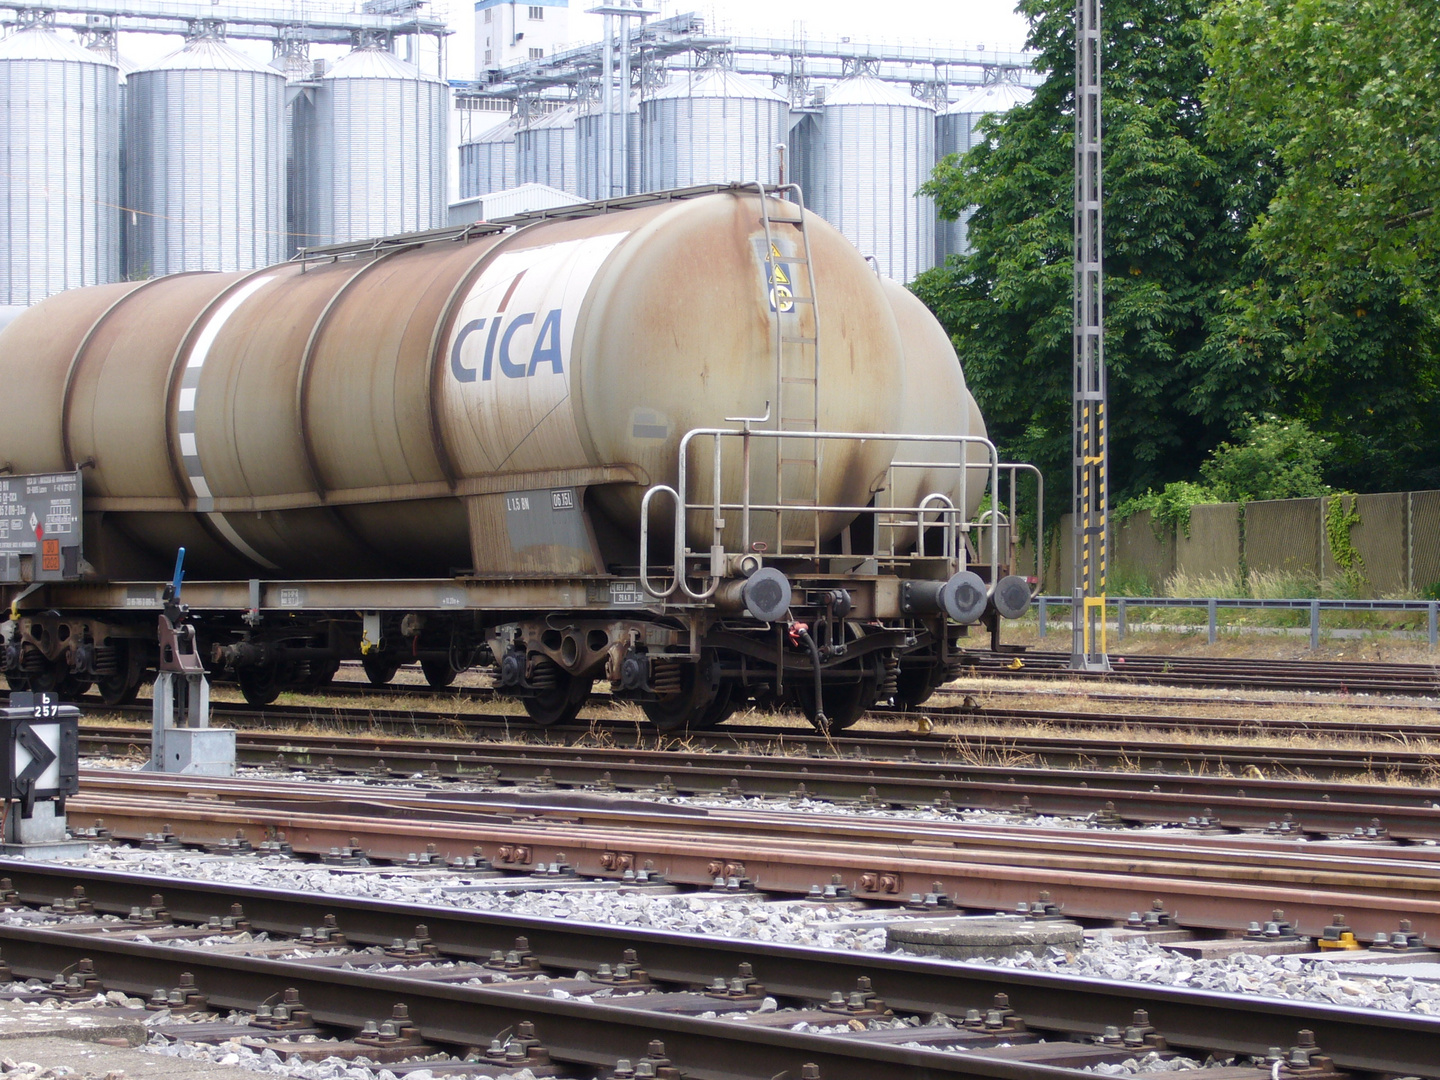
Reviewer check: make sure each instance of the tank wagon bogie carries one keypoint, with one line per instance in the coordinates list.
(512, 446)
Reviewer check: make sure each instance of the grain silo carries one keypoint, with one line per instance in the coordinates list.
(487, 163)
(546, 152)
(370, 150)
(104, 45)
(59, 166)
(589, 154)
(877, 146)
(205, 162)
(711, 127)
(955, 134)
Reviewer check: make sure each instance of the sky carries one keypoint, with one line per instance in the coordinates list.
(965, 23)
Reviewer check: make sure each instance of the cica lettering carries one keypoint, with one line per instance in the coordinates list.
(499, 339)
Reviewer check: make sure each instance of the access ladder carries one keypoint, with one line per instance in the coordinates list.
(791, 294)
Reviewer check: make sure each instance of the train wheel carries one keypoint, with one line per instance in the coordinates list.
(380, 668)
(561, 703)
(438, 673)
(320, 674)
(73, 686)
(727, 699)
(118, 689)
(16, 681)
(260, 684)
(845, 703)
(48, 678)
(916, 684)
(689, 707)
(122, 685)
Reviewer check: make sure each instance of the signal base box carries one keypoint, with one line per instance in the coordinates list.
(39, 767)
(202, 751)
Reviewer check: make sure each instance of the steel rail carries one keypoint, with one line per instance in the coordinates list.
(590, 1033)
(1407, 868)
(897, 861)
(1146, 797)
(1318, 763)
(1368, 1040)
(412, 720)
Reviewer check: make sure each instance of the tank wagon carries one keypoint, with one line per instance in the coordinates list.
(689, 444)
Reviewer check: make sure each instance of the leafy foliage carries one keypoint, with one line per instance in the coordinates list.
(1345, 304)
(1279, 459)
(1169, 507)
(1272, 171)
(1177, 217)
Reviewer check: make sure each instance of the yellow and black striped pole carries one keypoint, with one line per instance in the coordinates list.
(1090, 455)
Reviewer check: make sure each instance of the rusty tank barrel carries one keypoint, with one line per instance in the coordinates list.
(494, 402)
(935, 401)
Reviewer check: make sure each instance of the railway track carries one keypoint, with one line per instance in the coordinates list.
(947, 775)
(1228, 672)
(1392, 750)
(778, 1016)
(1218, 882)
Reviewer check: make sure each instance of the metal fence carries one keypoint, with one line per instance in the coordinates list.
(1212, 605)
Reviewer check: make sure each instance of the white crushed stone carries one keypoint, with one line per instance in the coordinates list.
(10, 1069)
(750, 917)
(816, 924)
(1153, 1063)
(1287, 977)
(234, 1053)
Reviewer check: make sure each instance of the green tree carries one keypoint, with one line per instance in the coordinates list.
(1345, 305)
(1278, 459)
(1177, 214)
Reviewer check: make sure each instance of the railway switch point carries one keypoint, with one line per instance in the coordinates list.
(181, 738)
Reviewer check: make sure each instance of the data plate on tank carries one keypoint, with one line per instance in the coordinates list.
(448, 597)
(40, 517)
(615, 593)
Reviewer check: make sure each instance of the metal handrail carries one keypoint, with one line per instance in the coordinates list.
(655, 489)
(718, 506)
(1013, 468)
(947, 518)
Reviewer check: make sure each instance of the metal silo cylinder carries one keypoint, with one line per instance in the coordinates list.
(877, 148)
(545, 150)
(713, 127)
(60, 179)
(371, 150)
(205, 162)
(488, 163)
(589, 155)
(955, 134)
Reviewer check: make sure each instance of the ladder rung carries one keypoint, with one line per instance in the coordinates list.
(799, 340)
(797, 379)
(802, 299)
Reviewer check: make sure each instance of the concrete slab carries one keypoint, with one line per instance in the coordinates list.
(23, 1019)
(1220, 948)
(972, 937)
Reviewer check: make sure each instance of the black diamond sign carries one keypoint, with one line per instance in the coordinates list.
(41, 756)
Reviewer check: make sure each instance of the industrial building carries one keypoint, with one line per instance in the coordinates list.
(858, 126)
(207, 159)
